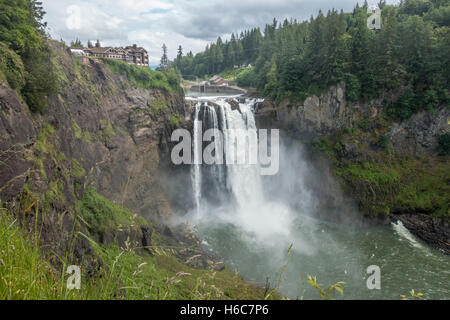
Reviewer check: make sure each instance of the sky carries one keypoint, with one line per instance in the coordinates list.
(189, 23)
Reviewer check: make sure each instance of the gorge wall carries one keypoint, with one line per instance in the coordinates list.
(100, 131)
(391, 169)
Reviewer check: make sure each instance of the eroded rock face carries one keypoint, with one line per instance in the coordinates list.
(434, 231)
(99, 130)
(331, 117)
(319, 116)
(420, 133)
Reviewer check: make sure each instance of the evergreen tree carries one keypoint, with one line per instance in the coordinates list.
(164, 63)
(362, 54)
(293, 60)
(76, 44)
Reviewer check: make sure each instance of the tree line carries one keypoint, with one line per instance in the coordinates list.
(24, 54)
(292, 59)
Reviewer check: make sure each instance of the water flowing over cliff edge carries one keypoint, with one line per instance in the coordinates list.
(251, 220)
(104, 142)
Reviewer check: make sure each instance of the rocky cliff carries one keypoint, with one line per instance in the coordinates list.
(100, 131)
(391, 169)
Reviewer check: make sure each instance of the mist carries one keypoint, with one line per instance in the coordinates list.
(297, 220)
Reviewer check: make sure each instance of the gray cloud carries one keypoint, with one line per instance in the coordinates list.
(208, 19)
(191, 23)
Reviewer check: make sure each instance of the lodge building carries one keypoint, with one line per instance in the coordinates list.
(131, 54)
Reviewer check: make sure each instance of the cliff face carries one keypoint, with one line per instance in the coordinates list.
(320, 116)
(392, 170)
(99, 131)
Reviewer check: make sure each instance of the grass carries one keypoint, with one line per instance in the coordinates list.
(175, 119)
(372, 172)
(233, 74)
(26, 274)
(163, 277)
(159, 104)
(144, 77)
(42, 142)
(77, 169)
(102, 215)
(399, 184)
(384, 182)
(126, 273)
(106, 132)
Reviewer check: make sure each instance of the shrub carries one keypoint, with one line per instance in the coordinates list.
(40, 78)
(11, 67)
(444, 144)
(383, 142)
(404, 107)
(102, 215)
(353, 86)
(246, 78)
(144, 77)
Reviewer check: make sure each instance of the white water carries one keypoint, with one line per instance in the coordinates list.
(261, 220)
(196, 173)
(255, 223)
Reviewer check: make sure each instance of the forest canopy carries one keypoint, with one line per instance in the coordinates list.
(24, 54)
(292, 59)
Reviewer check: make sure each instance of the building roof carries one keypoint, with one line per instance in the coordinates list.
(99, 50)
(77, 51)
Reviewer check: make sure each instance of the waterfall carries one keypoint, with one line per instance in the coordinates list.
(242, 181)
(196, 173)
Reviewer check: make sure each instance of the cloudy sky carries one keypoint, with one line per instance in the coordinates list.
(190, 23)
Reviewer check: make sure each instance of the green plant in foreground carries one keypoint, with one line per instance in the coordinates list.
(271, 293)
(129, 272)
(329, 294)
(26, 274)
(413, 296)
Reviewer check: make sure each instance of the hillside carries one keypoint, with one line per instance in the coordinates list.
(374, 102)
(82, 183)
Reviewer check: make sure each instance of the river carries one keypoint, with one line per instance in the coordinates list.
(251, 226)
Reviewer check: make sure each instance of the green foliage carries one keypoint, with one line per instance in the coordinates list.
(412, 295)
(40, 79)
(127, 273)
(76, 44)
(102, 215)
(107, 131)
(11, 67)
(159, 104)
(247, 78)
(26, 274)
(353, 87)
(330, 293)
(376, 174)
(175, 119)
(397, 184)
(444, 144)
(42, 142)
(295, 59)
(23, 271)
(383, 142)
(77, 169)
(22, 30)
(404, 107)
(144, 77)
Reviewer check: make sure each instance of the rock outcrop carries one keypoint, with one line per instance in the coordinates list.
(319, 116)
(98, 131)
(368, 153)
